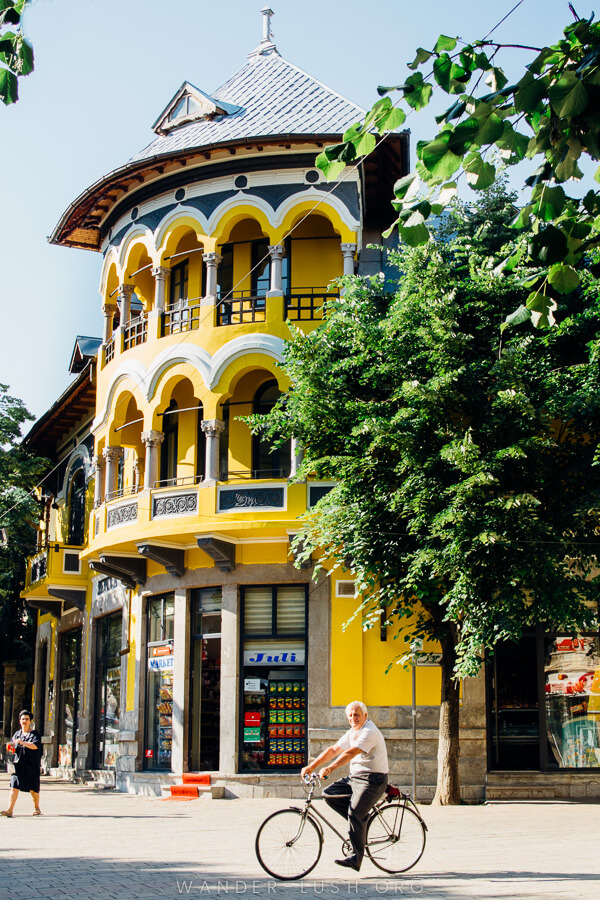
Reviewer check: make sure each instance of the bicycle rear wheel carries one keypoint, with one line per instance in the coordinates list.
(395, 838)
(288, 844)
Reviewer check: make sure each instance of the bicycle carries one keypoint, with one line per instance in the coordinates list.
(290, 841)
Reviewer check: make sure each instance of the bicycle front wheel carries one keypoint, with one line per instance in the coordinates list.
(288, 844)
(395, 838)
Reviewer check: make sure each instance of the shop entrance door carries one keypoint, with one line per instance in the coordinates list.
(513, 692)
(205, 718)
(108, 691)
(70, 673)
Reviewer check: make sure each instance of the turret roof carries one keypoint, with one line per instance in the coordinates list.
(273, 97)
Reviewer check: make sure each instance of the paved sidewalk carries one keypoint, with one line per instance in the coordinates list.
(100, 845)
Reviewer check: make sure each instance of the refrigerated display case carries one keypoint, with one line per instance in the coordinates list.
(274, 722)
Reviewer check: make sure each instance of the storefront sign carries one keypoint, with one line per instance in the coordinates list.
(429, 659)
(252, 685)
(268, 657)
(251, 735)
(160, 657)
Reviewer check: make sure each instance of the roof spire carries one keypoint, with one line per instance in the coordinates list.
(266, 45)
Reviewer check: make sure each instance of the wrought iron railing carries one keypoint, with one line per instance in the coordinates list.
(175, 482)
(135, 332)
(306, 305)
(241, 308)
(254, 474)
(176, 319)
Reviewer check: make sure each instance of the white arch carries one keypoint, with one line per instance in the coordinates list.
(324, 200)
(131, 370)
(80, 452)
(189, 354)
(235, 202)
(252, 343)
(111, 257)
(138, 231)
(181, 212)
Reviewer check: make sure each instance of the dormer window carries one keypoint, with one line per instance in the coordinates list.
(188, 105)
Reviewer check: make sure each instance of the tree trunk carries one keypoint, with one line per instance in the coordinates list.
(448, 780)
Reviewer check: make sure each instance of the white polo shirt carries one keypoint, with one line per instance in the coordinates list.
(373, 756)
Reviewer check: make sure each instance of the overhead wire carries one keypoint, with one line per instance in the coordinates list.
(344, 175)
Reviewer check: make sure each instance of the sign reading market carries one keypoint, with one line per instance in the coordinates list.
(160, 656)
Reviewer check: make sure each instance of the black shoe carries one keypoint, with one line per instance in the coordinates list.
(349, 863)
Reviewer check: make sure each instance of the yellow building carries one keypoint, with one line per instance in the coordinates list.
(201, 646)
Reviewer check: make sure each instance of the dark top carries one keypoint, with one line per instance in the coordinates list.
(26, 757)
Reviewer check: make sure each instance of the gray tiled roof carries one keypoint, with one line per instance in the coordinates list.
(275, 97)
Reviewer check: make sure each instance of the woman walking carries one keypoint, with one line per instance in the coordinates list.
(27, 746)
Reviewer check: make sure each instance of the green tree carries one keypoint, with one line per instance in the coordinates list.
(551, 115)
(467, 498)
(19, 473)
(16, 54)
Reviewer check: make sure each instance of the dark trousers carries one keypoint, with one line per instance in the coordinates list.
(353, 798)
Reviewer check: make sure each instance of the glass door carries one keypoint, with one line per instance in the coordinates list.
(205, 704)
(108, 691)
(70, 673)
(159, 683)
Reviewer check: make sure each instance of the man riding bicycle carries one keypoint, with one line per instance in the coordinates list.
(363, 747)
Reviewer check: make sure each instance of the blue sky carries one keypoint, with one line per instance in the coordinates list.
(106, 68)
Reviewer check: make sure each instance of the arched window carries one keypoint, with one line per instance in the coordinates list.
(268, 463)
(77, 509)
(168, 448)
(200, 446)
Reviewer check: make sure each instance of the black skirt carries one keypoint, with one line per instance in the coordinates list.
(26, 778)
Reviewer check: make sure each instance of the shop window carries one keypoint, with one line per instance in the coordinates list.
(159, 683)
(267, 462)
(205, 679)
(108, 691)
(77, 509)
(544, 703)
(274, 698)
(572, 701)
(69, 679)
(168, 448)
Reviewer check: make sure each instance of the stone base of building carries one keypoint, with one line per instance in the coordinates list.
(580, 785)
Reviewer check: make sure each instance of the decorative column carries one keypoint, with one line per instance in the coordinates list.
(296, 455)
(348, 251)
(152, 441)
(212, 428)
(108, 311)
(99, 476)
(212, 262)
(160, 287)
(276, 252)
(112, 455)
(124, 300)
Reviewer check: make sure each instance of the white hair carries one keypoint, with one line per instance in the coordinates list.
(358, 703)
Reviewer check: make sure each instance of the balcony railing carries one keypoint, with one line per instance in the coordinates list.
(177, 318)
(109, 351)
(254, 474)
(241, 308)
(175, 482)
(121, 492)
(135, 333)
(306, 305)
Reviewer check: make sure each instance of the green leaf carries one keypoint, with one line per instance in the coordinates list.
(550, 202)
(9, 88)
(365, 144)
(403, 184)
(462, 136)
(439, 160)
(417, 92)
(530, 93)
(496, 79)
(441, 71)
(415, 235)
(444, 43)
(568, 96)
(490, 128)
(512, 144)
(564, 278)
(548, 246)
(331, 168)
(542, 308)
(391, 120)
(421, 57)
(520, 315)
(382, 89)
(480, 174)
